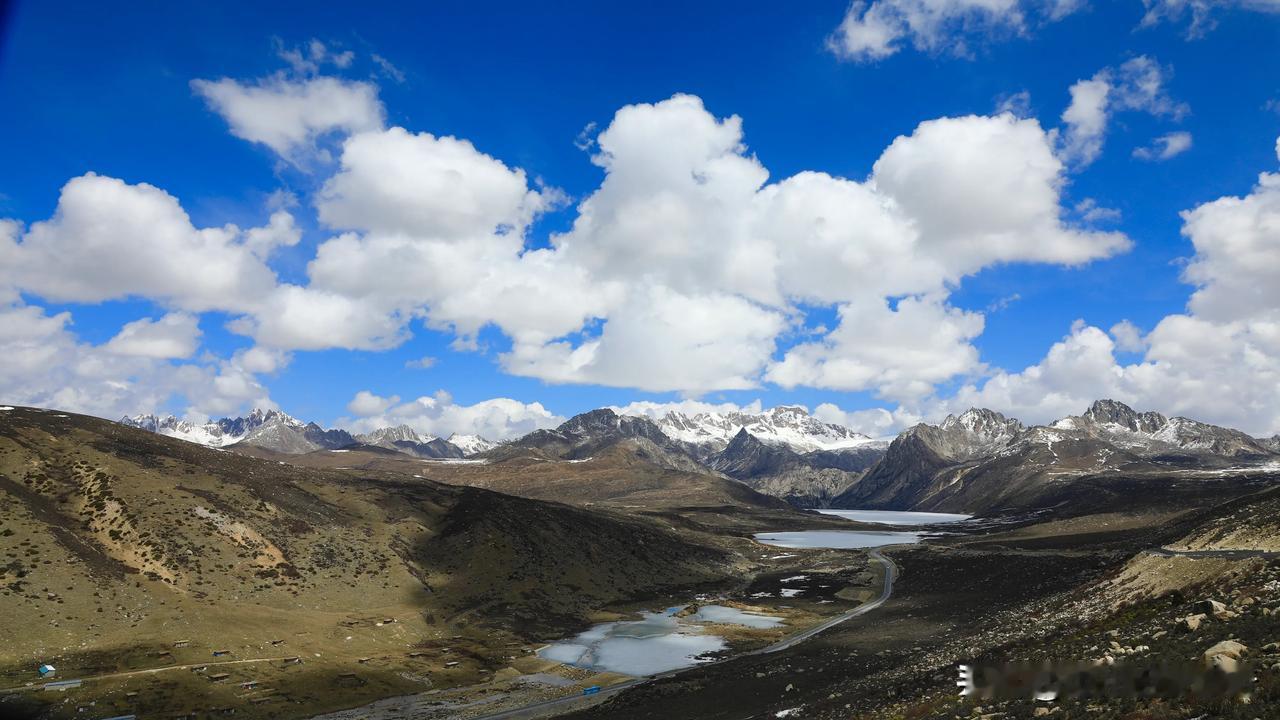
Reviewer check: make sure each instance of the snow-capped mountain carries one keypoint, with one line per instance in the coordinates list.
(785, 425)
(1151, 433)
(981, 459)
(471, 444)
(220, 433)
(270, 429)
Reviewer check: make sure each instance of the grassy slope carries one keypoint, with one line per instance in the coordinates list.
(116, 543)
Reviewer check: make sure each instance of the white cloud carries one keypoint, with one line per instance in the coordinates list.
(387, 69)
(1200, 12)
(175, 335)
(683, 271)
(423, 363)
(1219, 362)
(658, 410)
(304, 318)
(45, 364)
(660, 340)
(876, 30)
(310, 58)
(1237, 260)
(1128, 337)
(397, 182)
(109, 240)
(1164, 147)
(494, 419)
(1139, 84)
(1091, 212)
(365, 404)
(899, 352)
(280, 231)
(291, 116)
(874, 422)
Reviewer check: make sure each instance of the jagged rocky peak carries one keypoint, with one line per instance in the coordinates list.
(592, 423)
(399, 433)
(1114, 412)
(984, 423)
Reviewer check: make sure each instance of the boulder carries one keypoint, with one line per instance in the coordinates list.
(1209, 607)
(1225, 655)
(1192, 622)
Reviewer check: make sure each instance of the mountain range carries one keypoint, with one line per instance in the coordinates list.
(978, 460)
(279, 432)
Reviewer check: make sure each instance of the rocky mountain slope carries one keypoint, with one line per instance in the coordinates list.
(981, 461)
(808, 479)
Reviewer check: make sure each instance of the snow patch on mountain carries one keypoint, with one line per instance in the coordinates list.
(221, 433)
(786, 425)
(472, 444)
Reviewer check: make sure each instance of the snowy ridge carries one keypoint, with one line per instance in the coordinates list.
(785, 425)
(221, 433)
(471, 444)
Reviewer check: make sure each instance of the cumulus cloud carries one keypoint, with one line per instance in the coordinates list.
(45, 364)
(1218, 362)
(397, 182)
(439, 415)
(899, 352)
(366, 403)
(873, 422)
(289, 115)
(1128, 337)
(109, 240)
(684, 269)
(175, 335)
(1139, 84)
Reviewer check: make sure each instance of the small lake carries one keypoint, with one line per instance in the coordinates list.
(841, 539)
(656, 643)
(895, 517)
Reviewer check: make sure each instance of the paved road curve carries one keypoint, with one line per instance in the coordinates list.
(565, 704)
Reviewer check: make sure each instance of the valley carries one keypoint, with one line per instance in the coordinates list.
(607, 569)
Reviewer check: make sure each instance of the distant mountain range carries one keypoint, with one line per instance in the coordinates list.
(981, 460)
(283, 433)
(978, 459)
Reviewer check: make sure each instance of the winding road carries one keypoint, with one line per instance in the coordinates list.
(565, 704)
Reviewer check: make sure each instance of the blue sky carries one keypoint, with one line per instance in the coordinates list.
(109, 91)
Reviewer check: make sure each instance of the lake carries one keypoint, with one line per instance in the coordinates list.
(895, 517)
(847, 539)
(842, 539)
(656, 643)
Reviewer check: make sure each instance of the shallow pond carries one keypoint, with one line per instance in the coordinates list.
(656, 643)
